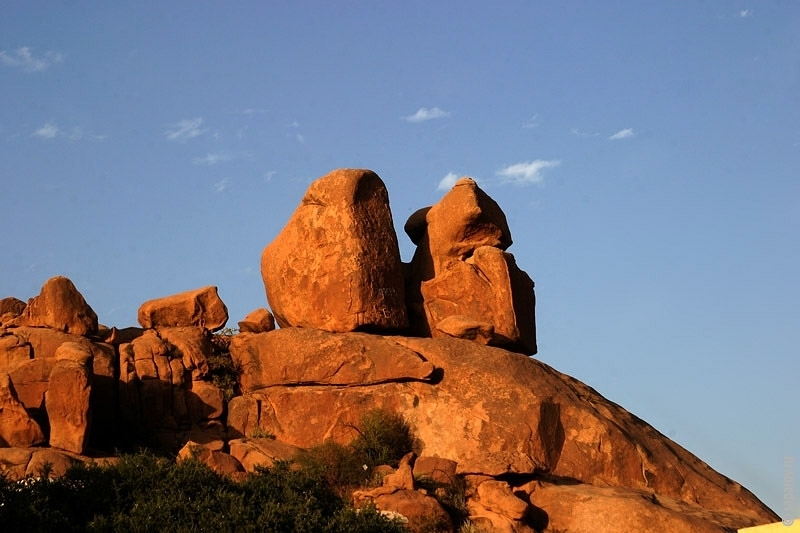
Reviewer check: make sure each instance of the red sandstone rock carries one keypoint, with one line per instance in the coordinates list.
(254, 452)
(67, 398)
(17, 428)
(497, 412)
(436, 469)
(460, 269)
(205, 401)
(192, 346)
(487, 288)
(294, 356)
(336, 265)
(259, 321)
(201, 307)
(497, 496)
(220, 462)
(424, 513)
(60, 306)
(465, 219)
(10, 308)
(13, 351)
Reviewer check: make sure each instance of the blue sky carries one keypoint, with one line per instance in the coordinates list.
(646, 155)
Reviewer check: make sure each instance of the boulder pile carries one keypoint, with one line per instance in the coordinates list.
(444, 341)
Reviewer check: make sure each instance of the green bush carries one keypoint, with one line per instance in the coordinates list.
(221, 368)
(144, 493)
(383, 438)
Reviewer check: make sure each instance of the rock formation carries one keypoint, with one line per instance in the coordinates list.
(201, 307)
(533, 448)
(336, 265)
(461, 271)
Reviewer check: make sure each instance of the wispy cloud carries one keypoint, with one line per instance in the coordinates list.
(184, 130)
(423, 114)
(531, 123)
(24, 59)
(447, 182)
(627, 133)
(48, 131)
(744, 13)
(527, 172)
(213, 158)
(222, 185)
(253, 111)
(51, 131)
(300, 138)
(583, 133)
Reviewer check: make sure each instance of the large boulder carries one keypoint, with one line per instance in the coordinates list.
(336, 265)
(200, 307)
(258, 321)
(299, 356)
(17, 428)
(67, 398)
(460, 269)
(60, 306)
(499, 414)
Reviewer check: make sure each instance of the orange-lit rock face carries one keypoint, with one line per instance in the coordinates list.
(336, 265)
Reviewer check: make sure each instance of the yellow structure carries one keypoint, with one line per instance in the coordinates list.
(777, 527)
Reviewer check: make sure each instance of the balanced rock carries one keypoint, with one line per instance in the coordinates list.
(258, 321)
(67, 398)
(460, 269)
(60, 306)
(17, 428)
(336, 265)
(200, 307)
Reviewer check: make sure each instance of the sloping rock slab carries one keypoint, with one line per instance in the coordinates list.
(200, 307)
(497, 412)
(299, 356)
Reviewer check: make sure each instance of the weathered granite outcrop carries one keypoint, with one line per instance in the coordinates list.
(336, 265)
(460, 269)
(533, 449)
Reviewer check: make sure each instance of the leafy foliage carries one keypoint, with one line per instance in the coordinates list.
(144, 493)
(221, 369)
(383, 438)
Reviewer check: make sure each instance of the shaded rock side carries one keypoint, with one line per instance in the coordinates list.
(299, 356)
(60, 306)
(495, 412)
(10, 308)
(200, 307)
(17, 428)
(336, 265)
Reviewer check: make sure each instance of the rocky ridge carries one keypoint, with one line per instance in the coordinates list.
(444, 341)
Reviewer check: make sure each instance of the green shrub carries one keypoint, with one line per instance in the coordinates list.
(383, 438)
(145, 493)
(222, 371)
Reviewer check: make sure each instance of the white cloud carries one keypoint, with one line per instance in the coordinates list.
(48, 131)
(526, 172)
(533, 122)
(447, 182)
(300, 138)
(184, 130)
(423, 114)
(222, 185)
(581, 133)
(622, 134)
(744, 13)
(213, 158)
(24, 59)
(254, 111)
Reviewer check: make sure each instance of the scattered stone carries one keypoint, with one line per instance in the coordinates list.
(60, 306)
(336, 265)
(255, 452)
(436, 469)
(258, 321)
(200, 307)
(219, 462)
